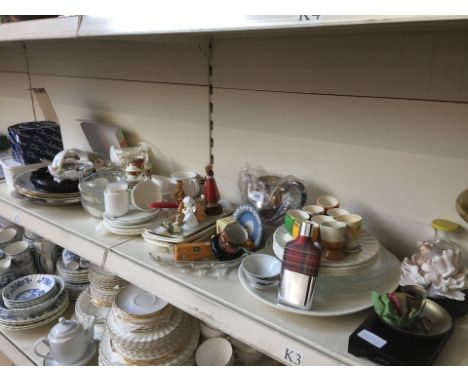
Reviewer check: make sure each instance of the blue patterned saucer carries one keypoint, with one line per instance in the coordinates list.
(249, 218)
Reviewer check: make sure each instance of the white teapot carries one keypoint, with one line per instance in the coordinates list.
(68, 341)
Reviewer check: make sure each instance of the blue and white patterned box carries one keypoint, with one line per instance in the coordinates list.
(32, 142)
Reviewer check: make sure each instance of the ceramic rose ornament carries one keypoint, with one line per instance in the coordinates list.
(441, 271)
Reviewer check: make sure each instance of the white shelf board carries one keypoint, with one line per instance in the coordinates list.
(69, 227)
(162, 24)
(222, 301)
(42, 29)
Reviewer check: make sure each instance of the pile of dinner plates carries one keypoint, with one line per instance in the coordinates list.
(132, 223)
(26, 186)
(142, 329)
(104, 286)
(76, 281)
(32, 301)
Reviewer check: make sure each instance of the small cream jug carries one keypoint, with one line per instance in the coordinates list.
(68, 341)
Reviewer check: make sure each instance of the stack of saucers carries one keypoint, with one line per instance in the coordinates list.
(145, 330)
(32, 301)
(76, 281)
(104, 286)
(133, 223)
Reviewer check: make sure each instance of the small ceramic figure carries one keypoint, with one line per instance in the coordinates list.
(200, 205)
(189, 209)
(211, 193)
(179, 193)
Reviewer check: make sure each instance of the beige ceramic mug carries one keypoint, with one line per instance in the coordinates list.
(333, 239)
(353, 230)
(314, 209)
(327, 202)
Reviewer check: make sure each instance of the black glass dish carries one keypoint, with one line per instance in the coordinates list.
(44, 181)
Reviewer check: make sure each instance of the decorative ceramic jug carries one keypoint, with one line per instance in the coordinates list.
(68, 341)
(15, 262)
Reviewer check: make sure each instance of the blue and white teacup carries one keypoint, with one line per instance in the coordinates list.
(71, 260)
(84, 264)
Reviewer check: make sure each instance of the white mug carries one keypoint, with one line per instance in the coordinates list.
(116, 199)
(189, 180)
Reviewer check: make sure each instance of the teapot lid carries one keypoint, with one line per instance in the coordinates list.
(64, 328)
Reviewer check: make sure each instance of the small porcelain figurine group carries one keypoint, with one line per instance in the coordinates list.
(193, 211)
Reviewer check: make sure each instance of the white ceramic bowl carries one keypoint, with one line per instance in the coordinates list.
(214, 352)
(262, 270)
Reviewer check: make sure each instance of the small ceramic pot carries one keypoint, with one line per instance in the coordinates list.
(314, 209)
(335, 212)
(328, 202)
(209, 331)
(293, 219)
(353, 230)
(333, 238)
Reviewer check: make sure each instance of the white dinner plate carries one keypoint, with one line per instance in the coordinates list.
(336, 300)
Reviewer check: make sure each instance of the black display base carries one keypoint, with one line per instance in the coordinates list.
(376, 341)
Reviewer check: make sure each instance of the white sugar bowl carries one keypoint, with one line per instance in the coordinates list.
(68, 341)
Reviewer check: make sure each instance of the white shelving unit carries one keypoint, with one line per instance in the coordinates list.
(217, 299)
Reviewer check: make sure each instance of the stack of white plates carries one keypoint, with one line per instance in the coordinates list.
(32, 301)
(133, 223)
(104, 286)
(76, 281)
(145, 330)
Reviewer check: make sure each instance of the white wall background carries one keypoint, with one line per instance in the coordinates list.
(377, 118)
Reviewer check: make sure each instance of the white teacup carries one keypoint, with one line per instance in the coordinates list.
(214, 352)
(189, 180)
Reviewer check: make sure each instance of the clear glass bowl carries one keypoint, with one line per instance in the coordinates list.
(92, 190)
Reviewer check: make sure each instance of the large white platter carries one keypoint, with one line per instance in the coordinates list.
(339, 295)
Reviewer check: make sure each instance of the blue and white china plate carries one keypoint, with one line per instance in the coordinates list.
(28, 289)
(90, 352)
(39, 307)
(13, 321)
(249, 218)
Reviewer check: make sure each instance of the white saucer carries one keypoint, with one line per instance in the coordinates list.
(134, 300)
(83, 361)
